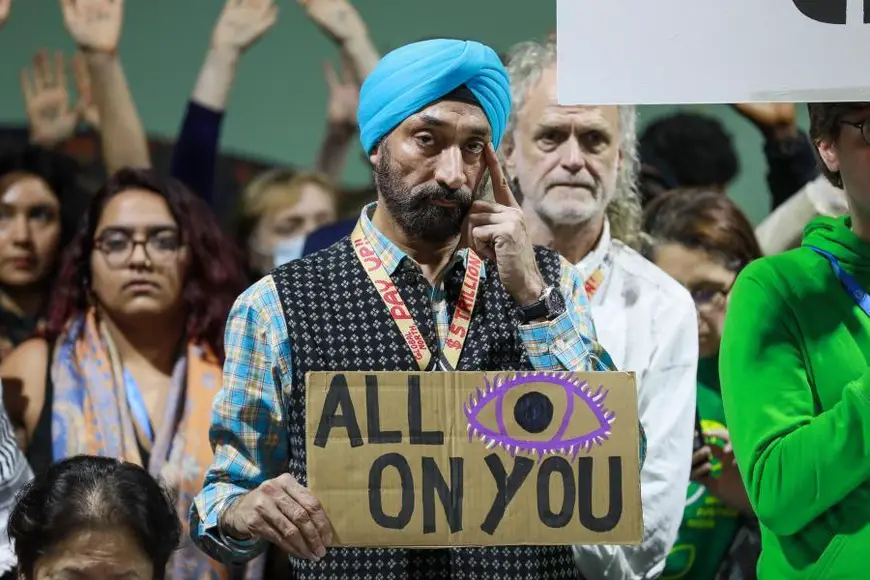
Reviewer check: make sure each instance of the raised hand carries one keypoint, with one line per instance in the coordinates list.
(242, 23)
(47, 101)
(5, 7)
(95, 25)
(337, 18)
(343, 96)
(772, 119)
(498, 231)
(86, 108)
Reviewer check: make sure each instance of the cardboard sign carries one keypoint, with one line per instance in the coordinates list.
(711, 51)
(475, 459)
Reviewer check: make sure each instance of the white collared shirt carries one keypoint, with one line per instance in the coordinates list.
(648, 323)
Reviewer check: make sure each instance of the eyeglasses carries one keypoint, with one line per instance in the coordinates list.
(711, 297)
(863, 126)
(118, 246)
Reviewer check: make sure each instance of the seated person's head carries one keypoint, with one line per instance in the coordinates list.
(94, 518)
(843, 145)
(685, 150)
(703, 240)
(278, 209)
(40, 206)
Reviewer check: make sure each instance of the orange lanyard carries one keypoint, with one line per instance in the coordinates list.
(402, 316)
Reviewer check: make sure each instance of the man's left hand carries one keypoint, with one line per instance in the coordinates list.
(498, 231)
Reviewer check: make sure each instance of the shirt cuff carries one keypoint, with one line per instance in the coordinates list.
(219, 545)
(229, 541)
(200, 114)
(555, 344)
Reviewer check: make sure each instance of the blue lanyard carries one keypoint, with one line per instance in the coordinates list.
(851, 285)
(137, 405)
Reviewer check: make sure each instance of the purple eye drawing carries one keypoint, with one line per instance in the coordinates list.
(533, 412)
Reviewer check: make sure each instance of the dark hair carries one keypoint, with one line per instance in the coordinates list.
(825, 124)
(686, 150)
(93, 492)
(215, 278)
(704, 220)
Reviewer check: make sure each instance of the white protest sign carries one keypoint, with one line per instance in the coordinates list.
(712, 51)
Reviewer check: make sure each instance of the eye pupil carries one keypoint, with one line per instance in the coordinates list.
(534, 412)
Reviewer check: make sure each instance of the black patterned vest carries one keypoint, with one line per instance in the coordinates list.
(337, 321)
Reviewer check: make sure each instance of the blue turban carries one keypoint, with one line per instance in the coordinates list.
(414, 76)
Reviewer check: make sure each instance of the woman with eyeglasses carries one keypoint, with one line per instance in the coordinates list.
(703, 240)
(133, 348)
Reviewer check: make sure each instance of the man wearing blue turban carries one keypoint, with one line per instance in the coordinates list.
(381, 299)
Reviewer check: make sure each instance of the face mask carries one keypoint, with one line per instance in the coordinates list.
(288, 250)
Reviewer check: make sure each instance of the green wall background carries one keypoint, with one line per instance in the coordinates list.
(279, 100)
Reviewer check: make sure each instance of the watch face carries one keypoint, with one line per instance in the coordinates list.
(555, 302)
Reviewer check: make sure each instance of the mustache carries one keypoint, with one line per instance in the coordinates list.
(462, 196)
(572, 183)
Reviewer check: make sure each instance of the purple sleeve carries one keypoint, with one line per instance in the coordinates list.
(194, 158)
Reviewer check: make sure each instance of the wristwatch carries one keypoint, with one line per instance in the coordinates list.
(550, 305)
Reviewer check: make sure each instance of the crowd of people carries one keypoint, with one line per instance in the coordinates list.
(153, 365)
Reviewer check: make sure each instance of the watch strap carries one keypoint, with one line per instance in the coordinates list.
(534, 311)
(538, 309)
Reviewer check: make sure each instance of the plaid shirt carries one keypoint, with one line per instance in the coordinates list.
(248, 429)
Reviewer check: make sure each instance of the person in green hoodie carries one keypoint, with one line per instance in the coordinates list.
(795, 376)
(702, 239)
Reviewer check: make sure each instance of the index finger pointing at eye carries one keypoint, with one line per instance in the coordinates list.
(500, 189)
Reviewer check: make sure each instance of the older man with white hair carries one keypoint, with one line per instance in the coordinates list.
(574, 168)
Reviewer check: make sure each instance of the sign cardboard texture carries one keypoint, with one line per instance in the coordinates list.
(614, 52)
(475, 459)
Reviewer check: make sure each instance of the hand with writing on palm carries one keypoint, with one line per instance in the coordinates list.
(46, 100)
(337, 18)
(242, 23)
(95, 25)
